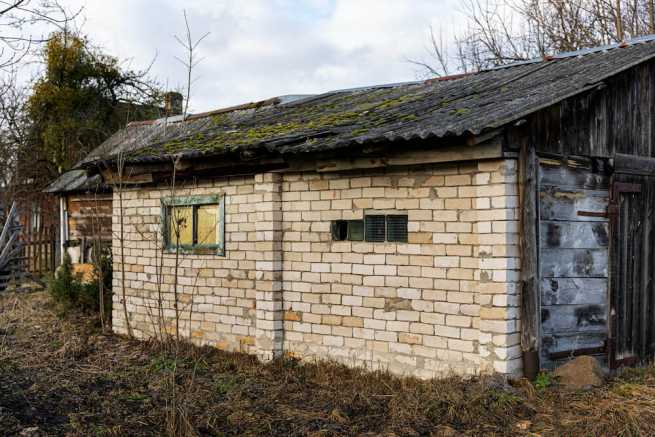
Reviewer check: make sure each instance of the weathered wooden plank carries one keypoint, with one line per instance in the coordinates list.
(566, 291)
(488, 150)
(574, 263)
(573, 318)
(573, 235)
(574, 177)
(556, 342)
(529, 169)
(572, 204)
(634, 165)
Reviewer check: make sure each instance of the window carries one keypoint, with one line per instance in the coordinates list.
(351, 230)
(374, 228)
(195, 223)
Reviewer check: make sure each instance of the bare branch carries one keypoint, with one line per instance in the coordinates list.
(502, 31)
(189, 62)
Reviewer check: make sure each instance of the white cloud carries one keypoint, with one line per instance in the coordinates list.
(263, 48)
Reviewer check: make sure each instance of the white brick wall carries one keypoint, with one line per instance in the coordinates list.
(445, 302)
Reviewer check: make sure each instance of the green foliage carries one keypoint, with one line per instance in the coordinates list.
(542, 381)
(227, 382)
(69, 290)
(82, 97)
(500, 400)
(163, 363)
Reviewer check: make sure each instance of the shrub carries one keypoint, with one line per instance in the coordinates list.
(69, 290)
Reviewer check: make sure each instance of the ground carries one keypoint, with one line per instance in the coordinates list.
(60, 375)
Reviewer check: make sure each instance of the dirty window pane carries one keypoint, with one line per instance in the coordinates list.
(356, 230)
(181, 221)
(207, 221)
(339, 230)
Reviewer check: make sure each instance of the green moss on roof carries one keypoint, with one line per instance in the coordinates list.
(354, 114)
(460, 111)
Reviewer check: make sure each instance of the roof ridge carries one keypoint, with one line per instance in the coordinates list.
(575, 53)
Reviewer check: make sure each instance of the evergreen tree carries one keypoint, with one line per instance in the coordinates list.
(82, 97)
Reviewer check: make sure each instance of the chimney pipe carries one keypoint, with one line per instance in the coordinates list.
(173, 103)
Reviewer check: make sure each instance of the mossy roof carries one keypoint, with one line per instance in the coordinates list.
(467, 104)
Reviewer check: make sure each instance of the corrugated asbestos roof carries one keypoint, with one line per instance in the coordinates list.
(465, 104)
(76, 181)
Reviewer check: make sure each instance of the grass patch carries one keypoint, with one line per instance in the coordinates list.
(111, 386)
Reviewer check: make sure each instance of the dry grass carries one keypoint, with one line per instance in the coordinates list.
(66, 378)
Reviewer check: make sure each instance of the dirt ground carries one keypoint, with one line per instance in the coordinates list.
(62, 376)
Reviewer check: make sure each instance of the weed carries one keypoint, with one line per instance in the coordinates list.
(625, 389)
(137, 397)
(163, 363)
(503, 400)
(226, 383)
(542, 381)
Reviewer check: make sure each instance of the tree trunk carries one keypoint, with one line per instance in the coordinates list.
(619, 21)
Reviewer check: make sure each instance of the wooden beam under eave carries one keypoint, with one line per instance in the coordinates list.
(489, 150)
(112, 178)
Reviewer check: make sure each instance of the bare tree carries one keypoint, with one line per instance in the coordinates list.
(19, 18)
(503, 31)
(13, 134)
(190, 60)
(437, 54)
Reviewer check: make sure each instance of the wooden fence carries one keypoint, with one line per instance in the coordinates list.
(39, 254)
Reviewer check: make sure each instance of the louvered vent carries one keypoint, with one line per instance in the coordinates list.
(375, 229)
(397, 228)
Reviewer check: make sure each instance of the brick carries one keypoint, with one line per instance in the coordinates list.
(409, 338)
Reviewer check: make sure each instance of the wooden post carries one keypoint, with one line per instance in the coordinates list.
(529, 260)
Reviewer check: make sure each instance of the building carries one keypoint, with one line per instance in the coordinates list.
(85, 210)
(490, 222)
(85, 200)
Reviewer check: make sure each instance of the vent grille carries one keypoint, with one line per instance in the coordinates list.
(397, 228)
(375, 228)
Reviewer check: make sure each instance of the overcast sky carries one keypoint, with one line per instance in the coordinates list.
(264, 48)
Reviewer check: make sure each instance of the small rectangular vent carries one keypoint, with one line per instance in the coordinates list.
(397, 228)
(375, 228)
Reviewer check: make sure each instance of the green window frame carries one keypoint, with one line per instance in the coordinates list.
(194, 202)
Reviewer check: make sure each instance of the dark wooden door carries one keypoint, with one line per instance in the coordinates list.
(573, 259)
(631, 300)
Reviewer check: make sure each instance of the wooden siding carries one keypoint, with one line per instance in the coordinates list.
(614, 118)
(633, 293)
(89, 214)
(573, 240)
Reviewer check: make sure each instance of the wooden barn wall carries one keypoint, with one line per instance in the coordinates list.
(89, 214)
(614, 118)
(573, 241)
